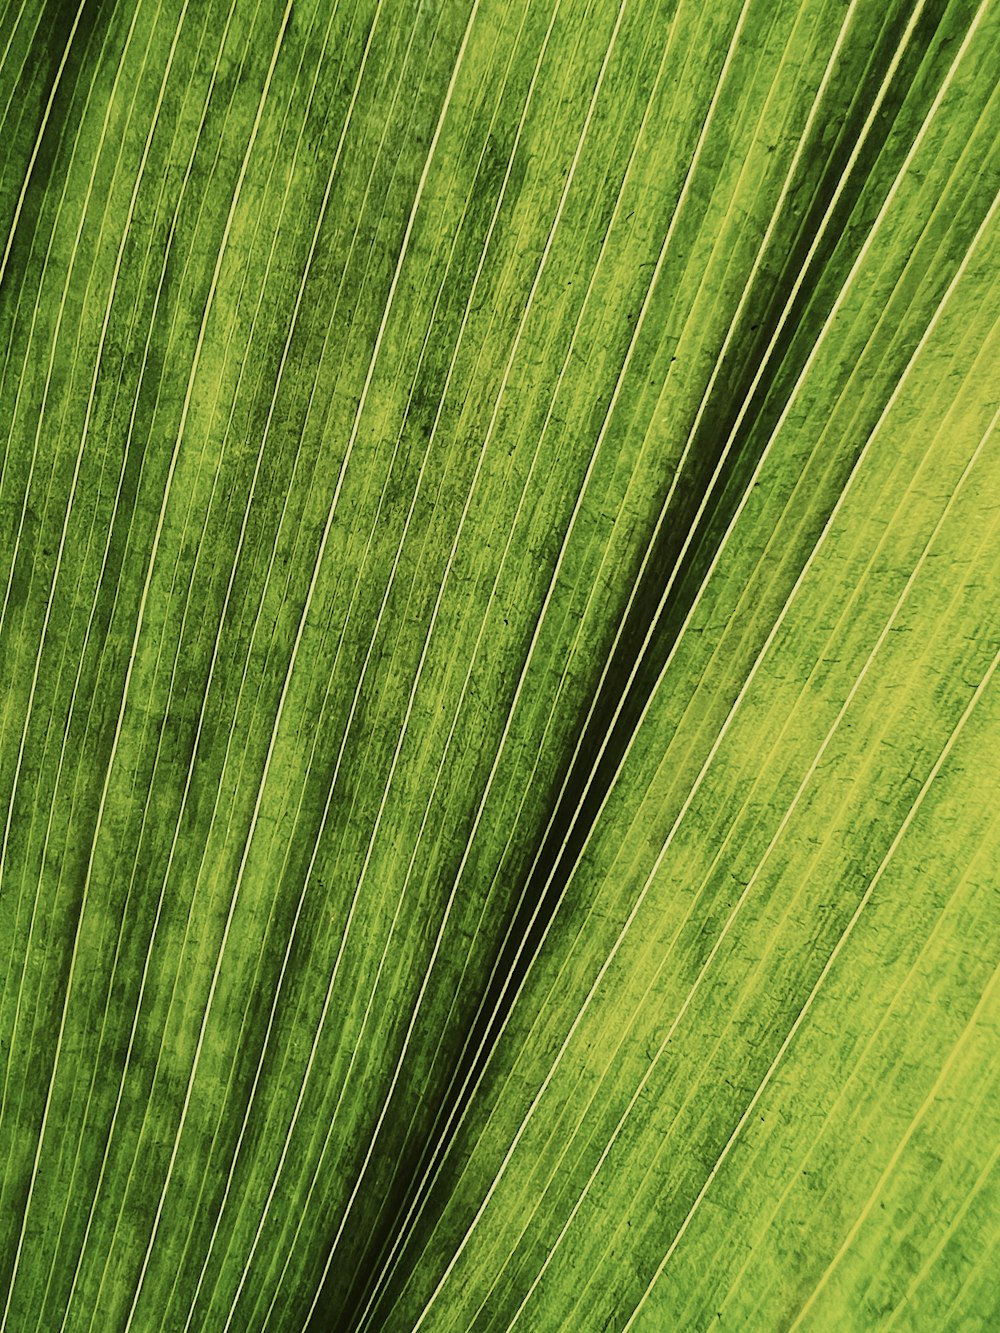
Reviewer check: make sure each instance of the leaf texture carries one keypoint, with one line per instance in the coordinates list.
(498, 740)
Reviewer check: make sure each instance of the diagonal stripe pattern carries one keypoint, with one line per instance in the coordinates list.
(498, 549)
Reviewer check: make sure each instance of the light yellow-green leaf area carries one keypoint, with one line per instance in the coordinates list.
(500, 709)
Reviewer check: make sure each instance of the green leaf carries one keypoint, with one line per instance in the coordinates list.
(500, 565)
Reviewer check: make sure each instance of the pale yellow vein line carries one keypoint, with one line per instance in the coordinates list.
(38, 140)
(13, 83)
(13, 31)
(24, 507)
(49, 264)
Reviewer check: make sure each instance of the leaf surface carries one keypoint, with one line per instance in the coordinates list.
(499, 564)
